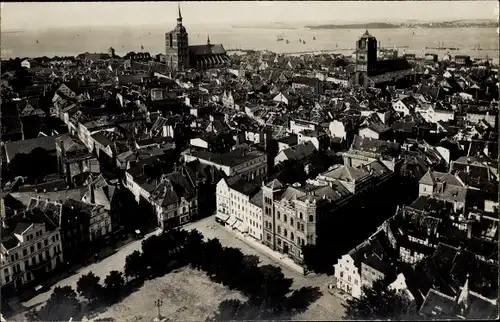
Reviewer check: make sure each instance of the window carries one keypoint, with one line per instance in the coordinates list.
(356, 282)
(7, 278)
(25, 252)
(40, 257)
(12, 258)
(268, 237)
(291, 221)
(298, 225)
(311, 218)
(301, 216)
(341, 274)
(284, 218)
(53, 238)
(279, 215)
(349, 278)
(45, 242)
(47, 254)
(279, 230)
(279, 241)
(292, 237)
(5, 271)
(286, 233)
(39, 245)
(26, 264)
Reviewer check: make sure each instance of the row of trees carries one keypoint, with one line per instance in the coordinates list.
(266, 286)
(65, 304)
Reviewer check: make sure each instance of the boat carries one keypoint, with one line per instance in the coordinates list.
(280, 38)
(142, 47)
(303, 42)
(314, 38)
(300, 40)
(287, 41)
(37, 42)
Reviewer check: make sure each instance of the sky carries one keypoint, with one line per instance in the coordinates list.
(28, 16)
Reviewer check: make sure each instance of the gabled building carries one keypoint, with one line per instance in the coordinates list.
(31, 246)
(362, 266)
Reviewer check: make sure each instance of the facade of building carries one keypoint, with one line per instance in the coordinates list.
(363, 265)
(239, 206)
(31, 246)
(293, 214)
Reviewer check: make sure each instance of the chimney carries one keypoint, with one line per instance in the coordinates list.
(469, 230)
(92, 193)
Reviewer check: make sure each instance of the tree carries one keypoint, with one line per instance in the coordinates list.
(62, 305)
(275, 286)
(114, 284)
(379, 302)
(229, 310)
(88, 286)
(208, 259)
(134, 265)
(192, 248)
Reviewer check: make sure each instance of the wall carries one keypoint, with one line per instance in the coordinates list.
(347, 276)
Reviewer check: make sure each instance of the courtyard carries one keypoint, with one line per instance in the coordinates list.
(187, 294)
(327, 307)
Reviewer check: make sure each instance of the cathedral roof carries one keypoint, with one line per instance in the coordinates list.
(206, 50)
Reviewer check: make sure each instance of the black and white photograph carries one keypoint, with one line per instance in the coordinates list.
(249, 161)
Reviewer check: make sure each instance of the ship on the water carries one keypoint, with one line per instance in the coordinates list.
(279, 38)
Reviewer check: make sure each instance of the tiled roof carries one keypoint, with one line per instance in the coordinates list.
(26, 146)
(207, 50)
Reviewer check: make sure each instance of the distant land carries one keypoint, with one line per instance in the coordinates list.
(434, 24)
(273, 25)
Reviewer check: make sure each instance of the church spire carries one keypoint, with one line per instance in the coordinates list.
(179, 19)
(208, 39)
(463, 298)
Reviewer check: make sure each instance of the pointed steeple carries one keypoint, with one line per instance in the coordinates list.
(179, 19)
(208, 39)
(463, 298)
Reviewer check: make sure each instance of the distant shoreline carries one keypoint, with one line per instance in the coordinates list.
(266, 27)
(382, 25)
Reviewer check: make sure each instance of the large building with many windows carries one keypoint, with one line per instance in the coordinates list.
(30, 247)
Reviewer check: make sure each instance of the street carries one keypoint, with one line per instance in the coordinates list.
(101, 269)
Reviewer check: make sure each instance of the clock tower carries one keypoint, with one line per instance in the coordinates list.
(366, 58)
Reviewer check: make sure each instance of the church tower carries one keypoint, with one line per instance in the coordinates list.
(177, 46)
(366, 58)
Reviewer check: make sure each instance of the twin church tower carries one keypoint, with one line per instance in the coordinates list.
(180, 56)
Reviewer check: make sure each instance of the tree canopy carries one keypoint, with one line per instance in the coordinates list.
(88, 286)
(379, 302)
(62, 305)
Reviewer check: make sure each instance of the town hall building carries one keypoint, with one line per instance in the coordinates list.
(180, 56)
